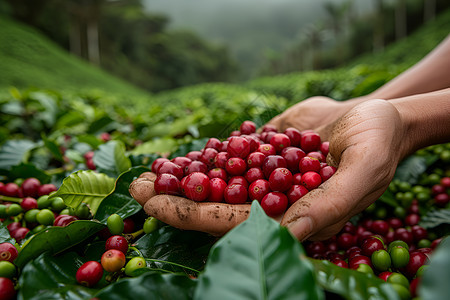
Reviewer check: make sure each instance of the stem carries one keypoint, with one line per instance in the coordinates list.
(137, 250)
(55, 171)
(10, 199)
(172, 263)
(137, 233)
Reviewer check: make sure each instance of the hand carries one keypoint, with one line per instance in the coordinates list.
(316, 113)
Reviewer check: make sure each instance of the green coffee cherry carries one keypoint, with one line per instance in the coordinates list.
(30, 216)
(44, 202)
(421, 270)
(45, 217)
(399, 256)
(150, 225)
(3, 213)
(397, 243)
(402, 291)
(115, 224)
(14, 210)
(381, 260)
(57, 204)
(38, 228)
(134, 264)
(398, 279)
(364, 268)
(82, 211)
(7, 269)
(424, 243)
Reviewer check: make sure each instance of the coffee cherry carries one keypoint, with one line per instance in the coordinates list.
(235, 194)
(11, 190)
(280, 141)
(158, 163)
(379, 227)
(238, 180)
(20, 233)
(196, 186)
(220, 161)
(310, 142)
(311, 180)
(247, 127)
(253, 174)
(45, 217)
(8, 252)
(217, 186)
(89, 273)
(272, 162)
(399, 256)
(13, 209)
(214, 144)
(326, 172)
(115, 224)
(7, 291)
(294, 136)
(340, 262)
(274, 203)
(30, 187)
(208, 156)
(181, 161)
(238, 147)
(416, 260)
(381, 260)
(64, 220)
(267, 149)
(258, 189)
(404, 235)
(134, 264)
(236, 166)
(113, 260)
(356, 260)
(295, 192)
(193, 155)
(309, 164)
(169, 167)
(28, 203)
(46, 189)
(293, 156)
(7, 269)
(384, 275)
(280, 180)
(370, 245)
(117, 242)
(255, 160)
(346, 241)
(167, 184)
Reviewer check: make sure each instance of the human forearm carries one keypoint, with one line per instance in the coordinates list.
(426, 118)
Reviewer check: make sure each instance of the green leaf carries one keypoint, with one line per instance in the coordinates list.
(150, 285)
(351, 284)
(56, 239)
(14, 152)
(5, 237)
(388, 198)
(27, 170)
(187, 248)
(434, 283)
(89, 139)
(120, 201)
(53, 148)
(110, 158)
(413, 166)
(258, 259)
(49, 277)
(435, 218)
(85, 186)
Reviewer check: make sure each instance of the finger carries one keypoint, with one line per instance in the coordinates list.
(214, 218)
(322, 212)
(142, 189)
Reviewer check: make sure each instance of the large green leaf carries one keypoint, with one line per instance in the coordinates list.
(14, 152)
(53, 148)
(434, 284)
(438, 220)
(5, 236)
(413, 166)
(258, 259)
(85, 186)
(150, 286)
(110, 158)
(171, 245)
(120, 201)
(53, 277)
(56, 239)
(351, 284)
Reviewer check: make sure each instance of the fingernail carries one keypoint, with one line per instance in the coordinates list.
(301, 228)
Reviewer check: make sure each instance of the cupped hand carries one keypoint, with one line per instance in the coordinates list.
(315, 113)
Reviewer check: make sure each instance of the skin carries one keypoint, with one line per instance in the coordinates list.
(368, 138)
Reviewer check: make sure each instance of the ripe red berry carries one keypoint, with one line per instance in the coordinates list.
(325, 148)
(346, 241)
(384, 275)
(20, 233)
(317, 155)
(128, 225)
(294, 135)
(297, 178)
(254, 142)
(340, 262)
(380, 227)
(195, 166)
(238, 147)
(117, 242)
(167, 184)
(310, 142)
(247, 127)
(280, 180)
(445, 181)
(157, 163)
(220, 161)
(274, 203)
(64, 220)
(326, 172)
(8, 252)
(442, 199)
(253, 174)
(196, 186)
(236, 166)
(293, 156)
(404, 235)
(169, 167)
(89, 273)
(30, 187)
(208, 157)
(113, 260)
(7, 291)
(217, 189)
(295, 192)
(412, 219)
(238, 180)
(192, 155)
(357, 260)
(46, 189)
(269, 128)
(235, 133)
(416, 260)
(218, 173)
(370, 245)
(28, 203)
(235, 194)
(11, 189)
(311, 180)
(182, 161)
(267, 149)
(272, 162)
(255, 159)
(419, 233)
(437, 189)
(214, 143)
(309, 164)
(280, 141)
(258, 189)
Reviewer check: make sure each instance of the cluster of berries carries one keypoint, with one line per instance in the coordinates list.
(275, 168)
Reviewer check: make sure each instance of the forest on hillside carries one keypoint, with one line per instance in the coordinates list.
(129, 40)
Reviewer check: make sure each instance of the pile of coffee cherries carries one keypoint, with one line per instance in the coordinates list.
(275, 168)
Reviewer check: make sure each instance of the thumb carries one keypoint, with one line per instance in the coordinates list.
(322, 212)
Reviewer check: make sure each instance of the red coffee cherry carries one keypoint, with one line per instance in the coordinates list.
(218, 173)
(272, 162)
(214, 144)
(192, 155)
(258, 189)
(238, 147)
(255, 160)
(209, 156)
(247, 127)
(236, 166)
(30, 187)
(280, 141)
(7, 291)
(326, 172)
(274, 203)
(309, 164)
(254, 174)
(64, 220)
(182, 161)
(311, 180)
(293, 156)
(8, 252)
(117, 242)
(28, 203)
(280, 180)
(294, 135)
(196, 186)
(235, 194)
(220, 161)
(295, 192)
(238, 180)
(158, 163)
(325, 148)
(169, 167)
(89, 273)
(113, 260)
(46, 189)
(218, 186)
(195, 166)
(267, 149)
(167, 184)
(310, 142)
